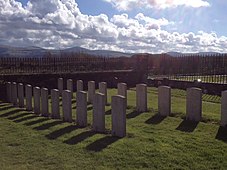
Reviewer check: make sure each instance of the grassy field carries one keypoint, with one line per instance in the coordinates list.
(152, 142)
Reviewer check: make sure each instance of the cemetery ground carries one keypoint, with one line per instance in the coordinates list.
(28, 141)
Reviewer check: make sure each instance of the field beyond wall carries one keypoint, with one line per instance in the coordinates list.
(152, 142)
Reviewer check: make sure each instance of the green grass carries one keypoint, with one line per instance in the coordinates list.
(152, 142)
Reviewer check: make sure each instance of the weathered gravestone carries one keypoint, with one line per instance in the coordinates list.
(55, 109)
(164, 100)
(36, 93)
(28, 96)
(224, 108)
(141, 97)
(99, 113)
(103, 90)
(44, 102)
(81, 108)
(21, 95)
(118, 112)
(91, 91)
(67, 105)
(194, 104)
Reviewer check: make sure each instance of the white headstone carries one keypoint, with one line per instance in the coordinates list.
(91, 91)
(99, 113)
(122, 90)
(103, 90)
(44, 102)
(70, 85)
(8, 89)
(141, 97)
(14, 93)
(118, 112)
(79, 85)
(81, 108)
(21, 95)
(36, 92)
(55, 113)
(164, 100)
(194, 104)
(60, 85)
(224, 108)
(67, 105)
(28, 96)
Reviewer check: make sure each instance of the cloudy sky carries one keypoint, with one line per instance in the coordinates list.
(152, 26)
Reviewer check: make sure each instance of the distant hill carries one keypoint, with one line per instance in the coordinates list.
(32, 51)
(8, 51)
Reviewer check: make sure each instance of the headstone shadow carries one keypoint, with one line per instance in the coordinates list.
(25, 118)
(156, 119)
(89, 108)
(79, 138)
(133, 114)
(222, 134)
(40, 120)
(55, 134)
(48, 125)
(18, 116)
(12, 112)
(6, 107)
(187, 126)
(102, 143)
(108, 112)
(73, 101)
(4, 104)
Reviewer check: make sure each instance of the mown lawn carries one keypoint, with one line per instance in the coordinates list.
(152, 142)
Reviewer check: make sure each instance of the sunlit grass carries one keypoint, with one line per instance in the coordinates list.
(152, 142)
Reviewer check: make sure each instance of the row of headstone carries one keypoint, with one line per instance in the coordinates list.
(41, 105)
(193, 103)
(99, 100)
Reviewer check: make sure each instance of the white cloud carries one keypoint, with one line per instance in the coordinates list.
(124, 5)
(60, 24)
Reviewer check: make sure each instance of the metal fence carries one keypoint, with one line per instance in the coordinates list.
(65, 64)
(208, 68)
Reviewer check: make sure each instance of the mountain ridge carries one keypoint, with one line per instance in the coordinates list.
(33, 51)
